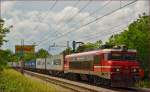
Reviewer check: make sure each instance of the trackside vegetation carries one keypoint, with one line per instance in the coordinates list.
(143, 84)
(13, 81)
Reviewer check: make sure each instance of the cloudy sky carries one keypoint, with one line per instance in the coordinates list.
(47, 22)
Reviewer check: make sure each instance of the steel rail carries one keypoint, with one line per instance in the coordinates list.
(81, 87)
(72, 85)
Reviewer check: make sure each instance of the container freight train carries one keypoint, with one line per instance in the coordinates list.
(114, 67)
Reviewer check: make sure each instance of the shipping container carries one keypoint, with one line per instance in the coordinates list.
(41, 63)
(55, 62)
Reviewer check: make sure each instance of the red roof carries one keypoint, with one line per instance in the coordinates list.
(97, 52)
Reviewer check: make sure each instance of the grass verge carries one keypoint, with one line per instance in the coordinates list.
(142, 84)
(13, 81)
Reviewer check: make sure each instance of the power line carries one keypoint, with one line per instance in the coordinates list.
(90, 13)
(104, 34)
(60, 36)
(37, 26)
(87, 16)
(87, 38)
(72, 16)
(108, 32)
(113, 27)
(46, 14)
(131, 18)
(65, 14)
(97, 10)
(61, 19)
(76, 14)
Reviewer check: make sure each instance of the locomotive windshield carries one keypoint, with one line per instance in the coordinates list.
(121, 56)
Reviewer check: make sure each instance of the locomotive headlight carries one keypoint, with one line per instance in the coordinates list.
(117, 70)
(135, 70)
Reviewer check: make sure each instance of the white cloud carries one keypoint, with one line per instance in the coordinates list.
(141, 7)
(7, 6)
(35, 26)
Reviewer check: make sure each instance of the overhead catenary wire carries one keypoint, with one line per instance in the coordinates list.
(74, 5)
(88, 38)
(92, 36)
(46, 14)
(104, 33)
(91, 14)
(60, 36)
(96, 34)
(98, 9)
(37, 26)
(87, 16)
(72, 17)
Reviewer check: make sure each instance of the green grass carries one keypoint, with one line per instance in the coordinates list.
(13, 81)
(142, 84)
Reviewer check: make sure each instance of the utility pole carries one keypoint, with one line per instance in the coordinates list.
(22, 55)
(34, 44)
(55, 45)
(67, 47)
(67, 44)
(149, 50)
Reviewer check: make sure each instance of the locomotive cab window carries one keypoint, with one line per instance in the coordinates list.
(97, 59)
(130, 57)
(121, 56)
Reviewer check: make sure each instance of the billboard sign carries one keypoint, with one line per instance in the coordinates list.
(24, 49)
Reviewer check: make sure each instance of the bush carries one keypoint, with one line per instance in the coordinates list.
(143, 84)
(2, 64)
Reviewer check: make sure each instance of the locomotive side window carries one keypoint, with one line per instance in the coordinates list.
(81, 62)
(97, 59)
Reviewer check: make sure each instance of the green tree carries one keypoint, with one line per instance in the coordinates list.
(89, 46)
(4, 55)
(67, 51)
(14, 58)
(29, 56)
(42, 53)
(3, 32)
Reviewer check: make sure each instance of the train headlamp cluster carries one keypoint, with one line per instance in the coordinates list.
(116, 70)
(135, 70)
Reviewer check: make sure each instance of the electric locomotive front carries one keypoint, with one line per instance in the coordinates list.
(123, 68)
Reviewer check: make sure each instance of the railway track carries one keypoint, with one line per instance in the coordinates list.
(75, 86)
(80, 87)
